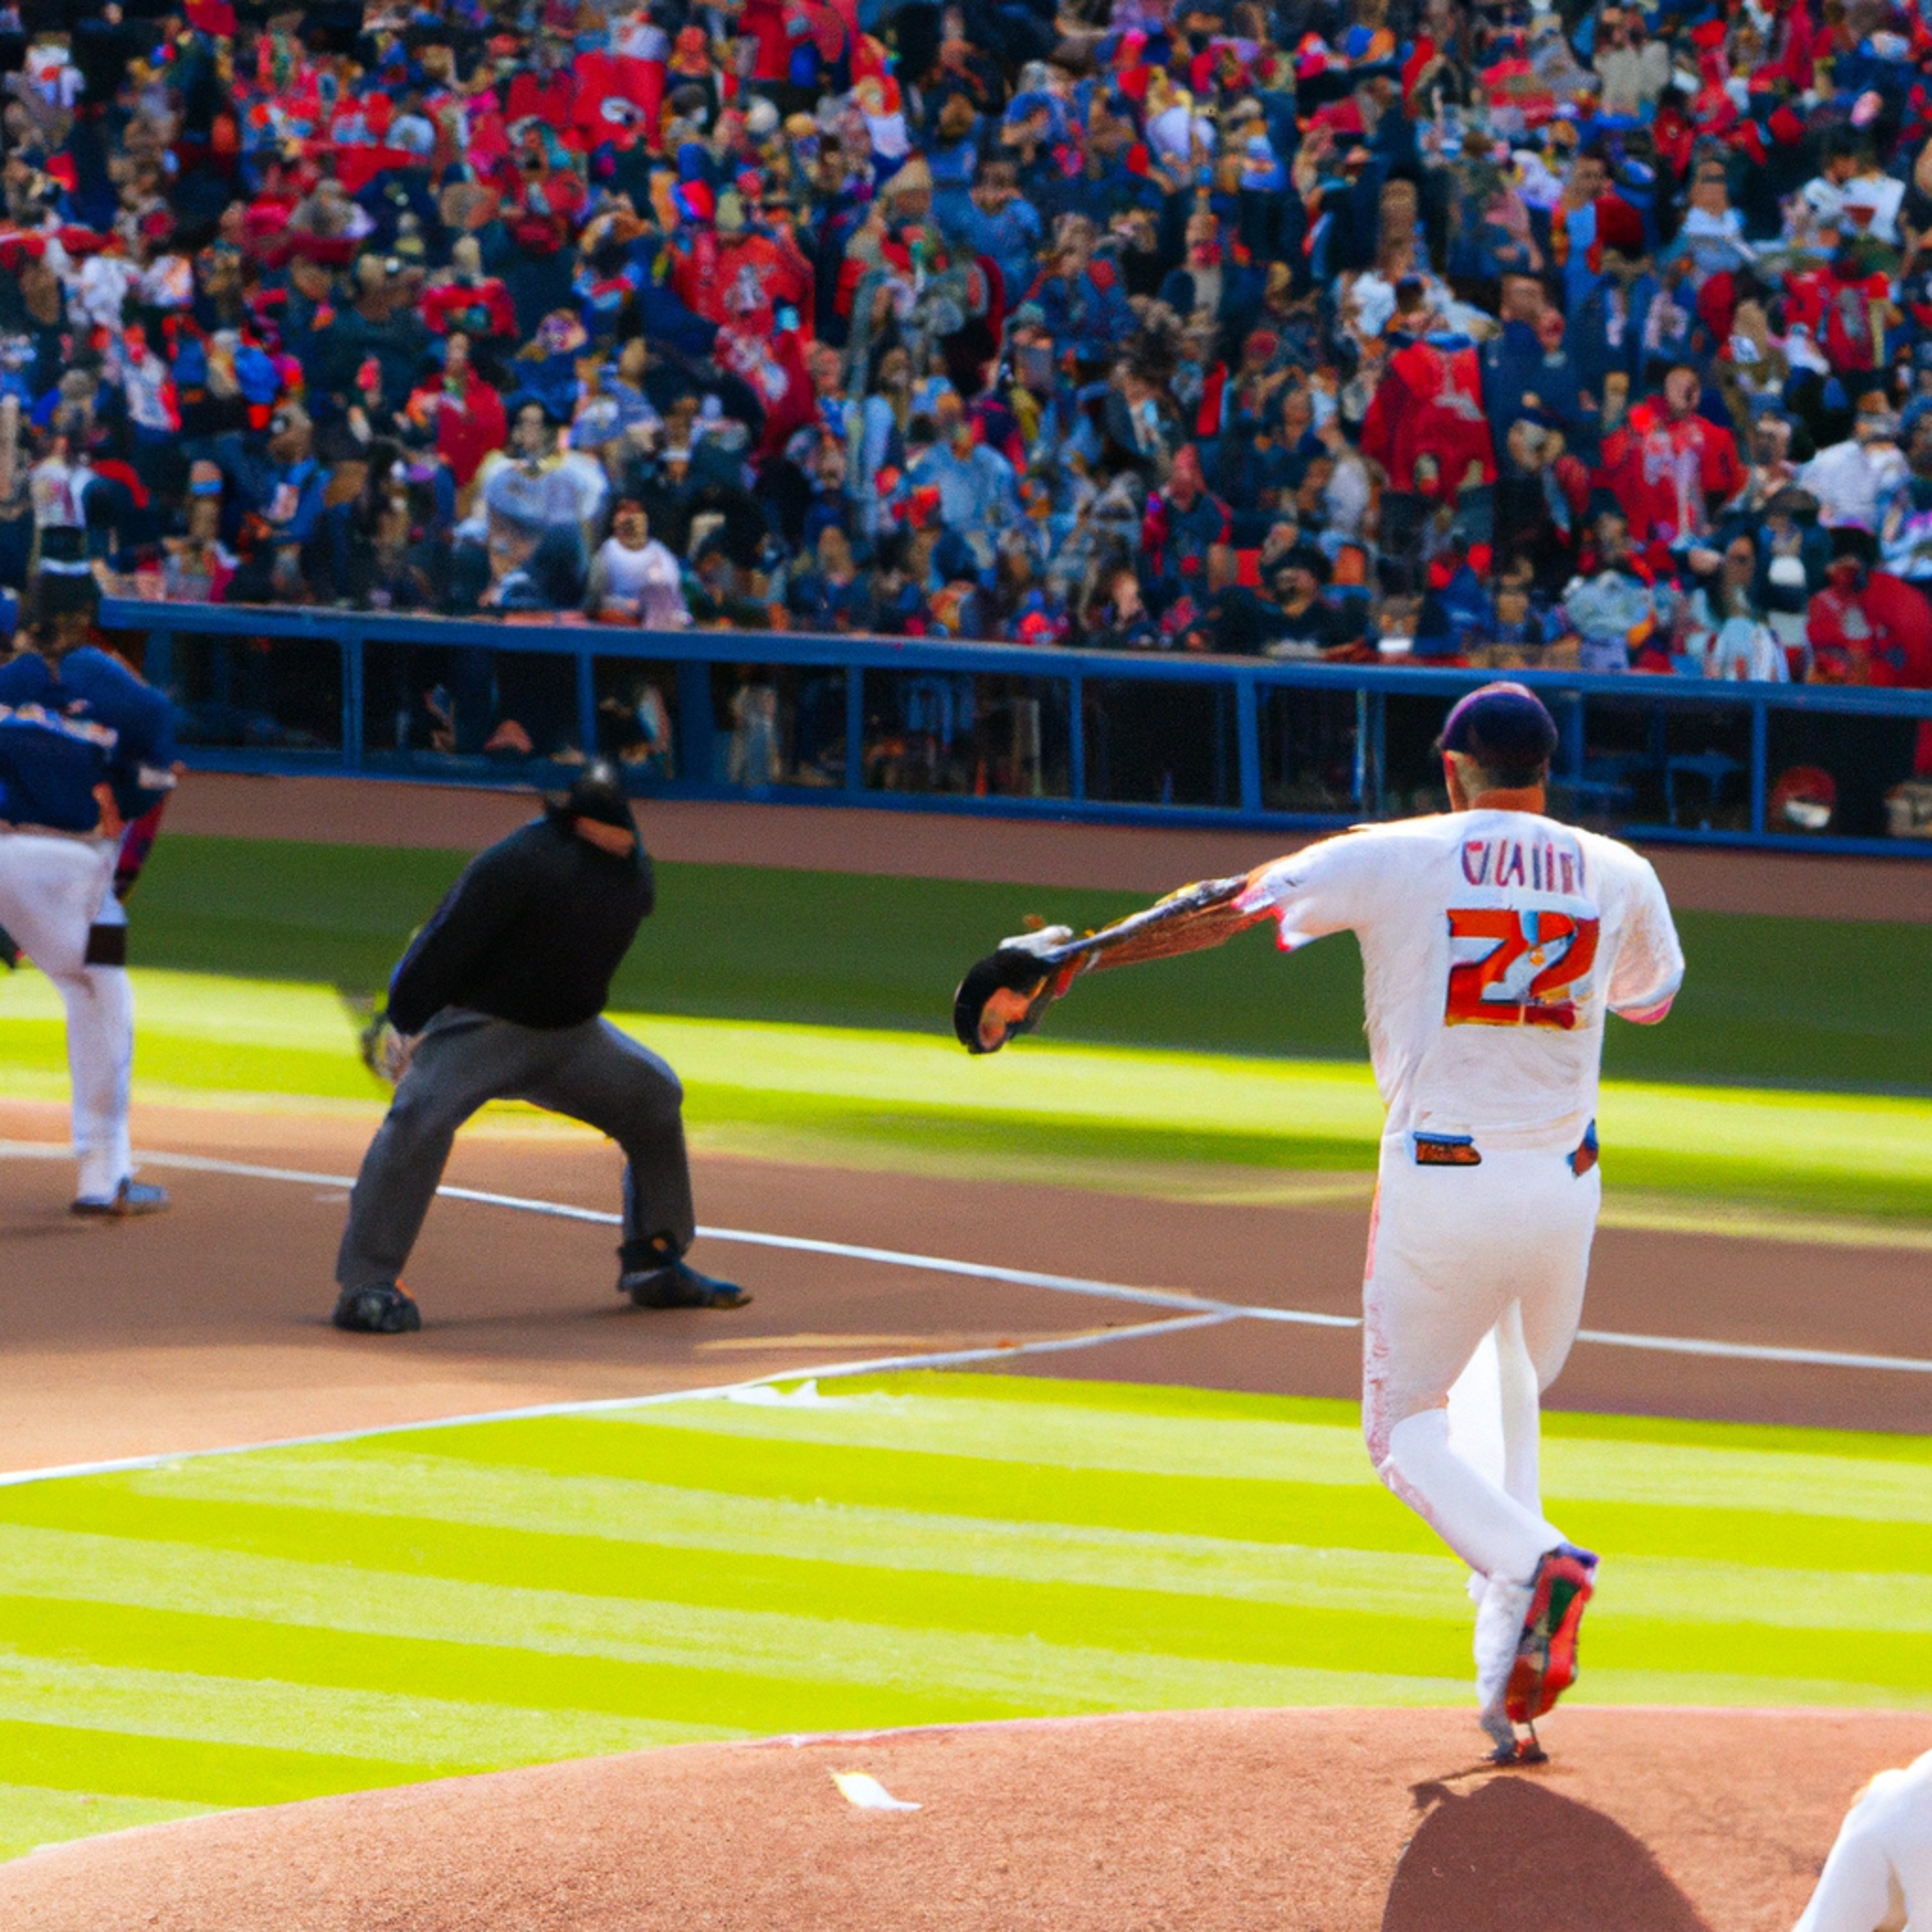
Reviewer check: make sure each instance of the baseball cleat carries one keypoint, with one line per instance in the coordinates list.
(1545, 1656)
(130, 1198)
(678, 1285)
(386, 1309)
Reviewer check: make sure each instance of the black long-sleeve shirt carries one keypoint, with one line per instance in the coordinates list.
(532, 932)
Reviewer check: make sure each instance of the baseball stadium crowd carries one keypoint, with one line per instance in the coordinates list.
(1342, 329)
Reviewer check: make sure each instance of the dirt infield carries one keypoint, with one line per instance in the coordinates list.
(1233, 1821)
(208, 1326)
(939, 845)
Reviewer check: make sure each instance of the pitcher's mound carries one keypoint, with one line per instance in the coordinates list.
(1215, 1821)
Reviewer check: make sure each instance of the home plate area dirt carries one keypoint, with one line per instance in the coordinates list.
(1643, 1820)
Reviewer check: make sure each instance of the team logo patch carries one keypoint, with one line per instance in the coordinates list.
(1446, 1150)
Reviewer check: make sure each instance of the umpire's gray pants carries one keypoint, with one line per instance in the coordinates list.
(592, 1073)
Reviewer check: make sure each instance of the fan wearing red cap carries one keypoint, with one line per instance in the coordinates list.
(1495, 941)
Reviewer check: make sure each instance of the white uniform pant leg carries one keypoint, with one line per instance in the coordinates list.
(53, 891)
(1879, 1877)
(1858, 1890)
(1454, 1253)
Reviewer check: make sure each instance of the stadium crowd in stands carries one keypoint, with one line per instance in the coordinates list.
(1343, 329)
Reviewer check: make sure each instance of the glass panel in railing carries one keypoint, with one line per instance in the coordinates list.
(1410, 777)
(1308, 746)
(1847, 775)
(777, 725)
(637, 702)
(1161, 742)
(1656, 758)
(968, 734)
(469, 709)
(279, 695)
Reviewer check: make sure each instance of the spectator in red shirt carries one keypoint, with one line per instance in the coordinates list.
(468, 413)
(1670, 468)
(1868, 627)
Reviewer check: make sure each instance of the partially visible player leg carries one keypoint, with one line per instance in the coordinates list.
(55, 899)
(1544, 1665)
(1455, 1250)
(1519, 1392)
(1859, 1889)
(607, 1079)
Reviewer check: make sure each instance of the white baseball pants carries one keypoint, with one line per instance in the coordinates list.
(1879, 1877)
(53, 891)
(1456, 1255)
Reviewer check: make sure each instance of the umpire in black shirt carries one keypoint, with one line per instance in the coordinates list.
(502, 992)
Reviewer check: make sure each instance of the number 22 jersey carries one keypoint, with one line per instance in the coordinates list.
(1493, 944)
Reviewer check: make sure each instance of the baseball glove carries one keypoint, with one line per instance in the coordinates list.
(1007, 992)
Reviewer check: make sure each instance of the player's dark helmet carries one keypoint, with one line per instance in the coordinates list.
(1506, 729)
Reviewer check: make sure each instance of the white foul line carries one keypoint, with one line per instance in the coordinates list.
(878, 1365)
(1153, 1297)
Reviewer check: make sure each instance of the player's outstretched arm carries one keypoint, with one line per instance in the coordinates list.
(1007, 992)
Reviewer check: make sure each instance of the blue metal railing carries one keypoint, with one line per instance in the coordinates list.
(1290, 745)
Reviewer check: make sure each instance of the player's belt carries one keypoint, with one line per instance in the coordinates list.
(51, 831)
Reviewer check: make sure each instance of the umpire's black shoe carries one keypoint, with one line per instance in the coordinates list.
(387, 1309)
(655, 1275)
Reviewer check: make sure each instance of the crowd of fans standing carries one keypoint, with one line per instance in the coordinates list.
(1342, 328)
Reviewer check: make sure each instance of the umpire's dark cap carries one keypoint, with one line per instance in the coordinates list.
(598, 795)
(1504, 726)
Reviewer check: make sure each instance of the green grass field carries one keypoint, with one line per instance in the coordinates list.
(824, 1092)
(1779, 1002)
(241, 1630)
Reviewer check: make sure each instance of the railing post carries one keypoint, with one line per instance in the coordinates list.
(587, 702)
(1379, 710)
(1760, 760)
(697, 729)
(158, 662)
(1076, 737)
(1573, 752)
(351, 645)
(1247, 742)
(1361, 771)
(855, 728)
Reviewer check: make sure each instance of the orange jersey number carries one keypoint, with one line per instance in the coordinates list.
(1511, 968)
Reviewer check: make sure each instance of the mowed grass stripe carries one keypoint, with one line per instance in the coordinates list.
(1002, 1674)
(684, 1701)
(1321, 1515)
(1259, 1451)
(62, 1757)
(160, 1699)
(656, 1517)
(714, 1582)
(32, 1815)
(1171, 1399)
(669, 1519)
(1361, 1516)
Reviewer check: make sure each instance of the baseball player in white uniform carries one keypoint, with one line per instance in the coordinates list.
(1495, 940)
(1879, 1877)
(85, 746)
